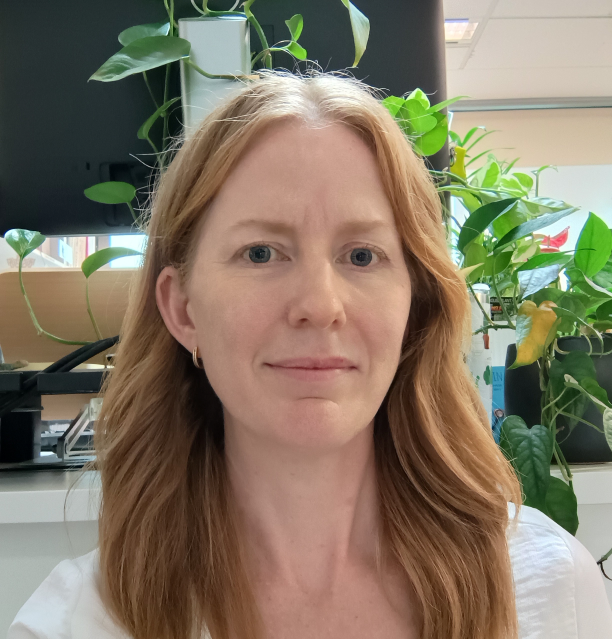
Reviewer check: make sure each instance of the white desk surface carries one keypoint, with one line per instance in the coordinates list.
(31, 496)
(39, 496)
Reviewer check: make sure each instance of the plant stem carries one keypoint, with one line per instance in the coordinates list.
(584, 421)
(165, 116)
(132, 211)
(91, 317)
(37, 326)
(264, 42)
(489, 320)
(144, 75)
(503, 306)
(210, 75)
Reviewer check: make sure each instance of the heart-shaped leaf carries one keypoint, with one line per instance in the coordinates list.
(393, 104)
(143, 31)
(421, 97)
(141, 55)
(530, 450)
(295, 26)
(536, 279)
(296, 50)
(361, 29)
(143, 131)
(561, 505)
(111, 192)
(533, 326)
(594, 246)
(98, 259)
(23, 242)
(432, 141)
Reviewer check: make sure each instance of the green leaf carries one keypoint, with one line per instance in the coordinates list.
(599, 290)
(545, 259)
(143, 131)
(23, 242)
(572, 302)
(361, 30)
(469, 135)
(141, 55)
(445, 103)
(477, 140)
(296, 50)
(594, 246)
(432, 141)
(517, 215)
(597, 394)
(111, 192)
(475, 254)
(144, 31)
(604, 277)
(536, 279)
(98, 259)
(495, 264)
(561, 505)
(492, 175)
(604, 311)
(295, 25)
(393, 104)
(580, 366)
(547, 295)
(525, 180)
(531, 450)
(480, 219)
(527, 228)
(421, 97)
(414, 112)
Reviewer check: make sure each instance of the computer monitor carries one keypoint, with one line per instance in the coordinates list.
(60, 134)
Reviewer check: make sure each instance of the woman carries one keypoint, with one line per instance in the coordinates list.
(292, 445)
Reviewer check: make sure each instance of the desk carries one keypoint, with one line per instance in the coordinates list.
(34, 537)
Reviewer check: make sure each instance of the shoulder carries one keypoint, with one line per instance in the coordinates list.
(559, 586)
(67, 605)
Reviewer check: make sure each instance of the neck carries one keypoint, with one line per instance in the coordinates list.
(304, 517)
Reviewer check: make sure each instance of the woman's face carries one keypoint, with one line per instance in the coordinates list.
(306, 201)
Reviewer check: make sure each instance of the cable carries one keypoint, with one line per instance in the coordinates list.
(68, 362)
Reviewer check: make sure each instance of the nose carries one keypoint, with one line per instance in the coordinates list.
(316, 294)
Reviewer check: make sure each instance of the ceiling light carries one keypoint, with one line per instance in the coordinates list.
(459, 30)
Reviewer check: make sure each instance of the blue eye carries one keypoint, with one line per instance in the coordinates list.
(259, 254)
(361, 256)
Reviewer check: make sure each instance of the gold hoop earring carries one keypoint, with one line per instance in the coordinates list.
(195, 358)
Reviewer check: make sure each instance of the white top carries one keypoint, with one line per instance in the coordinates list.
(560, 591)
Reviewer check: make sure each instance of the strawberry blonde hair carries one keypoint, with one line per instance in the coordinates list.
(171, 560)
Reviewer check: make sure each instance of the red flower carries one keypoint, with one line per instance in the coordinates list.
(552, 244)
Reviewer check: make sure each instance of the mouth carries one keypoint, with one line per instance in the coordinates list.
(312, 374)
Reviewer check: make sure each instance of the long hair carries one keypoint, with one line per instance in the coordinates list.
(171, 558)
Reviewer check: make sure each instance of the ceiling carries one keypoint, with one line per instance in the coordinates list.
(532, 49)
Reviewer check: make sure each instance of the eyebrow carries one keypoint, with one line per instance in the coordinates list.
(283, 228)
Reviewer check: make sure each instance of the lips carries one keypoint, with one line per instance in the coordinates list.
(315, 362)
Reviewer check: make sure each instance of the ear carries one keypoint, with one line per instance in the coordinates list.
(172, 303)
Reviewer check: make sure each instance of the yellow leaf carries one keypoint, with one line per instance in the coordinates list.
(533, 325)
(458, 167)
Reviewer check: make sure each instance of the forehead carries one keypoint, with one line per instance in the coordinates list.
(295, 175)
